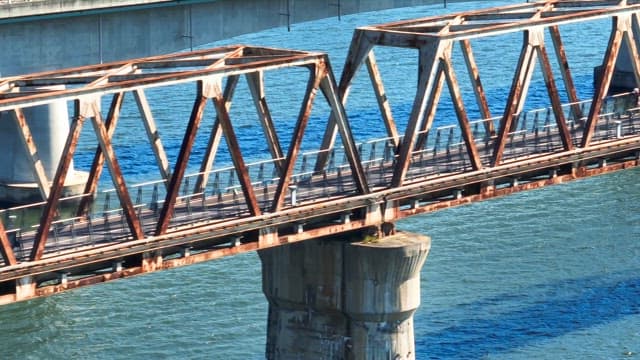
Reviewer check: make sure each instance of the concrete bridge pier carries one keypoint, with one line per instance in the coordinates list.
(333, 299)
(49, 126)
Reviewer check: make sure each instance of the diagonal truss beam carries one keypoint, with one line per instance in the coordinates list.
(98, 159)
(116, 173)
(51, 207)
(427, 76)
(317, 73)
(30, 147)
(478, 90)
(256, 86)
(153, 135)
(383, 101)
(215, 137)
(565, 71)
(183, 158)
(520, 83)
(330, 91)
(234, 149)
(6, 249)
(463, 119)
(602, 88)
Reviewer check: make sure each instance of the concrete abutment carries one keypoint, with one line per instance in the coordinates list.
(333, 299)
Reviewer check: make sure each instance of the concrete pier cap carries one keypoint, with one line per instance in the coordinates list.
(335, 298)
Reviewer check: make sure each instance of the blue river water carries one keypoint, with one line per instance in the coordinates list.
(546, 274)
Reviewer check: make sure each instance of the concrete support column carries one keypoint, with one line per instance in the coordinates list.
(332, 299)
(49, 125)
(302, 283)
(382, 292)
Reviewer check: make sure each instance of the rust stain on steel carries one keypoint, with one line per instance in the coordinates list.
(358, 51)
(478, 90)
(383, 101)
(256, 86)
(182, 161)
(463, 119)
(556, 103)
(152, 134)
(98, 159)
(5, 246)
(520, 81)
(57, 186)
(215, 137)
(565, 71)
(234, 150)
(432, 102)
(104, 139)
(329, 90)
(316, 74)
(30, 147)
(428, 69)
(602, 88)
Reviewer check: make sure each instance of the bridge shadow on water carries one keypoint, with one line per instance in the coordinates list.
(544, 312)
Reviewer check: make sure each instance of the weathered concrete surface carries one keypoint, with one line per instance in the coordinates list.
(331, 299)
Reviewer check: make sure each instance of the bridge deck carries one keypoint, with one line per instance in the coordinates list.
(443, 158)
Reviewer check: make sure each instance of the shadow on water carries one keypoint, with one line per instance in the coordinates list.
(545, 312)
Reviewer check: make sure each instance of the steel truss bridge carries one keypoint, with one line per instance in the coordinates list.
(293, 195)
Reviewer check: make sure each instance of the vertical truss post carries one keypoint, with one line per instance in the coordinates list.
(183, 159)
(427, 75)
(256, 86)
(565, 71)
(215, 137)
(234, 149)
(153, 135)
(478, 90)
(519, 86)
(6, 249)
(98, 159)
(602, 88)
(50, 209)
(330, 92)
(116, 173)
(317, 72)
(30, 147)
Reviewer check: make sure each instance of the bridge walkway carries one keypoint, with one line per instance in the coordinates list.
(444, 155)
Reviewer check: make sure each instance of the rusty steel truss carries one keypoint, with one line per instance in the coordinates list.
(435, 37)
(482, 167)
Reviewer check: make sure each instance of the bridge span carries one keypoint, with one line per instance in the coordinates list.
(356, 191)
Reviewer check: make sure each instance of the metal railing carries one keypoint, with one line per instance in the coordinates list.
(444, 152)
